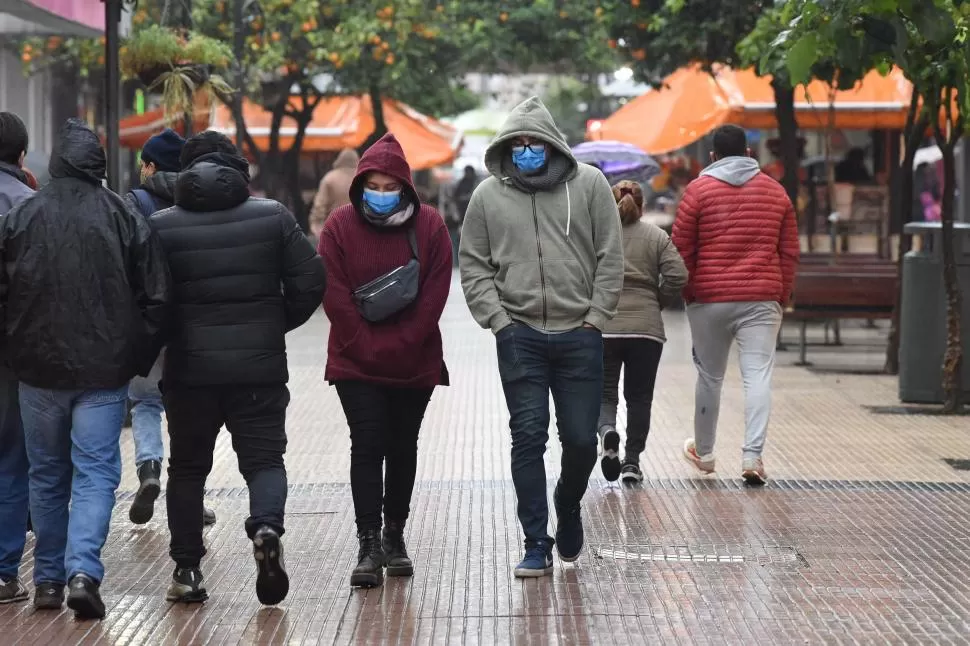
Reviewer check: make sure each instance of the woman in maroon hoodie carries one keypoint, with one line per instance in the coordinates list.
(388, 259)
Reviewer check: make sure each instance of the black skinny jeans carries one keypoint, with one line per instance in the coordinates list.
(384, 424)
(256, 420)
(639, 358)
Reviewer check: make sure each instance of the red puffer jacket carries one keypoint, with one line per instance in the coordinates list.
(738, 237)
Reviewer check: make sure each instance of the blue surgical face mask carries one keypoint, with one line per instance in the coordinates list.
(529, 158)
(382, 202)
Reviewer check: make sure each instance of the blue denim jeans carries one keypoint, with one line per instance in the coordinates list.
(532, 365)
(146, 415)
(73, 442)
(13, 478)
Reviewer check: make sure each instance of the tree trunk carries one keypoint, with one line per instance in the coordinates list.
(380, 127)
(787, 136)
(953, 357)
(916, 126)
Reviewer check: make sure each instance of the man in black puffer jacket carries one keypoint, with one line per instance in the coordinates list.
(244, 275)
(86, 309)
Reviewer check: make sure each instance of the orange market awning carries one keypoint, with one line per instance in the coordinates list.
(694, 102)
(346, 122)
(338, 122)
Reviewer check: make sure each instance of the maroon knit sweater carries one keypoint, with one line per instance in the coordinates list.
(404, 350)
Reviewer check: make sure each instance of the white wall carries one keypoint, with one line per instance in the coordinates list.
(29, 98)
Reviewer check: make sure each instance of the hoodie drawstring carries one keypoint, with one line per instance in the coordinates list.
(569, 210)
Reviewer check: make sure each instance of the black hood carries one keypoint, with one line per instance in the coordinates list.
(78, 153)
(162, 185)
(213, 182)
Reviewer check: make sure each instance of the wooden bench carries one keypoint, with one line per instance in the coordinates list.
(830, 292)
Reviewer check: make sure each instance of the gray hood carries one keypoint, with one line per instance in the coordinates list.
(530, 118)
(736, 171)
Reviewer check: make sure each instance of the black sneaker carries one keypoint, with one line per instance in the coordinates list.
(395, 551)
(610, 462)
(150, 479)
(48, 596)
(369, 572)
(208, 517)
(186, 586)
(569, 530)
(12, 591)
(631, 473)
(272, 581)
(84, 597)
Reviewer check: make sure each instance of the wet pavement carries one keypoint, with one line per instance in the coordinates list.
(862, 536)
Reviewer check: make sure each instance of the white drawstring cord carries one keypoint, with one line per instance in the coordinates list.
(569, 210)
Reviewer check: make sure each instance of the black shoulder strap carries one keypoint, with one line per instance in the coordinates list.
(413, 241)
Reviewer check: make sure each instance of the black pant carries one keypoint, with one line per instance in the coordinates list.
(639, 358)
(256, 419)
(384, 424)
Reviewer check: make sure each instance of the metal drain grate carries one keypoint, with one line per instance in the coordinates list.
(703, 554)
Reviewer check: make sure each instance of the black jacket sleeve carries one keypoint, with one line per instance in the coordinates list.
(152, 288)
(304, 278)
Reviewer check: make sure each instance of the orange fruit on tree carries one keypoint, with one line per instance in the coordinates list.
(375, 40)
(639, 54)
(389, 59)
(276, 36)
(611, 43)
(635, 3)
(502, 17)
(306, 27)
(26, 57)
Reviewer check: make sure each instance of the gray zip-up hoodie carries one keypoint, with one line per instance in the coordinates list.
(553, 258)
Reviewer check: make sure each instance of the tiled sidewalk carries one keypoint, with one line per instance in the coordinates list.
(861, 537)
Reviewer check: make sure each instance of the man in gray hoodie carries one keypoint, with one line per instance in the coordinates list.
(541, 262)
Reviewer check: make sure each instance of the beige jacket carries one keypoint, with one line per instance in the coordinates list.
(334, 189)
(653, 272)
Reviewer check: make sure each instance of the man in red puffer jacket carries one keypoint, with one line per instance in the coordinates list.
(737, 233)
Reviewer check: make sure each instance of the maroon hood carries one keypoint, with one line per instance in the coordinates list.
(385, 156)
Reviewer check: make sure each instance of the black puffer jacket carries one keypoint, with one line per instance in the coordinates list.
(244, 275)
(87, 293)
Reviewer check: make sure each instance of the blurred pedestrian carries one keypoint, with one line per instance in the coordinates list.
(389, 261)
(14, 187)
(334, 189)
(244, 275)
(156, 191)
(462, 196)
(737, 233)
(542, 266)
(654, 273)
(86, 309)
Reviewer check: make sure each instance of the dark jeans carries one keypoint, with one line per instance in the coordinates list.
(13, 477)
(639, 358)
(384, 424)
(256, 419)
(570, 366)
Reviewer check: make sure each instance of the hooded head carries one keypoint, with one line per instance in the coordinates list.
(347, 159)
(383, 191)
(530, 121)
(78, 154)
(214, 177)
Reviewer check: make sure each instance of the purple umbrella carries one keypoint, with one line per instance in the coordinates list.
(618, 160)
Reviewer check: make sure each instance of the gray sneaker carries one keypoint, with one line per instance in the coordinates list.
(12, 591)
(610, 460)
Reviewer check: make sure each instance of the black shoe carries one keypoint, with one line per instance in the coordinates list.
(84, 597)
(395, 551)
(186, 586)
(610, 462)
(143, 506)
(208, 517)
(569, 529)
(272, 581)
(369, 572)
(48, 596)
(12, 591)
(630, 473)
